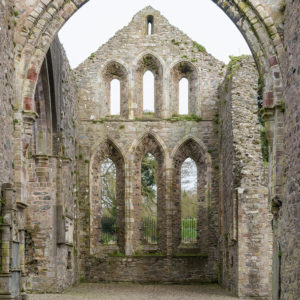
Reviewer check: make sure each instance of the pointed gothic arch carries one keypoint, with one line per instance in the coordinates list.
(107, 149)
(190, 148)
(187, 70)
(115, 70)
(149, 144)
(149, 62)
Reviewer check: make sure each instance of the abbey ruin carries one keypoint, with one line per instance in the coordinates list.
(242, 131)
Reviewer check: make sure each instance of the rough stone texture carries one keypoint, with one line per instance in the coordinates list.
(245, 232)
(168, 53)
(37, 23)
(125, 139)
(7, 85)
(287, 224)
(52, 178)
(165, 136)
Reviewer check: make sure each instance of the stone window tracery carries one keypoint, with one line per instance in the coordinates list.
(149, 63)
(190, 149)
(149, 144)
(115, 71)
(184, 70)
(107, 155)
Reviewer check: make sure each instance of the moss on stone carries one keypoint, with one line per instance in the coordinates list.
(192, 117)
(199, 47)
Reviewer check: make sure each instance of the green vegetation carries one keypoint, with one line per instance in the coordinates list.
(138, 254)
(116, 253)
(189, 230)
(192, 117)
(175, 42)
(24, 29)
(92, 56)
(282, 6)
(263, 135)
(234, 64)
(149, 186)
(199, 47)
(98, 121)
(149, 113)
(15, 122)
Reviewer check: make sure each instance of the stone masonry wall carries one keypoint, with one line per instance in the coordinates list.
(160, 52)
(8, 216)
(7, 84)
(288, 230)
(245, 218)
(51, 258)
(170, 138)
(124, 135)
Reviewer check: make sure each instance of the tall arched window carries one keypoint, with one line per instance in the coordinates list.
(108, 202)
(184, 89)
(189, 201)
(150, 25)
(115, 97)
(148, 92)
(149, 199)
(183, 96)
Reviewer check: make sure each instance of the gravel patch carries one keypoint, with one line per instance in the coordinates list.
(134, 291)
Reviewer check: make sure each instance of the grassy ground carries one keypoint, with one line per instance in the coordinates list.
(134, 291)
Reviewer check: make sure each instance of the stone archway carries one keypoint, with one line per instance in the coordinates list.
(40, 23)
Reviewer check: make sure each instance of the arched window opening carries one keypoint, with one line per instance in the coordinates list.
(115, 97)
(183, 96)
(148, 93)
(149, 199)
(189, 202)
(108, 201)
(150, 24)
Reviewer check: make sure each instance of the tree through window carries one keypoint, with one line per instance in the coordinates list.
(149, 199)
(109, 198)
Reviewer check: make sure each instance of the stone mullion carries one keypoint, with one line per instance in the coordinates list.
(202, 201)
(169, 206)
(129, 208)
(132, 113)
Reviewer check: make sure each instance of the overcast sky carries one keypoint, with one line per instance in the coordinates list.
(201, 20)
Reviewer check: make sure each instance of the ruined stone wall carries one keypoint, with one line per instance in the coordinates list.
(245, 217)
(7, 85)
(170, 138)
(287, 227)
(168, 53)
(50, 260)
(125, 134)
(8, 216)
